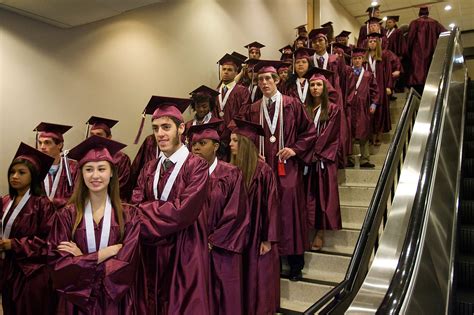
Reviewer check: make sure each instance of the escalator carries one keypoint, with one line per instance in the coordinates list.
(464, 262)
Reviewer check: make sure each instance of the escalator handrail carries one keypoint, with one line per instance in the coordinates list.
(395, 295)
(376, 209)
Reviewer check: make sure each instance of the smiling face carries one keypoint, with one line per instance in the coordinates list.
(202, 109)
(167, 134)
(19, 177)
(97, 175)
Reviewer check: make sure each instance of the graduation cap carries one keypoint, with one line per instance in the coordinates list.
(285, 65)
(239, 56)
(343, 34)
(50, 130)
(248, 129)
(373, 20)
(161, 106)
(105, 124)
(251, 63)
(203, 89)
(374, 35)
(286, 58)
(344, 48)
(286, 48)
(254, 45)
(95, 149)
(395, 18)
(265, 66)
(327, 24)
(316, 73)
(228, 59)
(319, 32)
(40, 161)
(424, 11)
(205, 131)
(301, 28)
(303, 52)
(358, 52)
(371, 9)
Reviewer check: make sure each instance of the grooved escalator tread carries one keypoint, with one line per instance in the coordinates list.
(468, 149)
(468, 167)
(465, 271)
(464, 302)
(470, 118)
(468, 188)
(466, 212)
(466, 239)
(469, 133)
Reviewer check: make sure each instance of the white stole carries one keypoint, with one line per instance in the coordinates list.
(213, 166)
(222, 102)
(6, 228)
(302, 93)
(106, 222)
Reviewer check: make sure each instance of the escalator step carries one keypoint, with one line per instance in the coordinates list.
(466, 212)
(468, 188)
(470, 104)
(470, 117)
(469, 133)
(465, 271)
(468, 167)
(464, 302)
(466, 239)
(468, 149)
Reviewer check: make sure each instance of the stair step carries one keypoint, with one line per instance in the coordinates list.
(464, 302)
(302, 292)
(355, 195)
(355, 175)
(465, 271)
(341, 241)
(290, 307)
(468, 149)
(468, 188)
(466, 212)
(466, 239)
(468, 167)
(353, 217)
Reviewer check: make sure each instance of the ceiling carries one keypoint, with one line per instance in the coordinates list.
(461, 14)
(70, 13)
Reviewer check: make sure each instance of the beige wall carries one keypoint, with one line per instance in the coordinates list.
(110, 68)
(331, 10)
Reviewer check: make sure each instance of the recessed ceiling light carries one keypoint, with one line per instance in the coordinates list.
(448, 7)
(384, 18)
(374, 3)
(452, 25)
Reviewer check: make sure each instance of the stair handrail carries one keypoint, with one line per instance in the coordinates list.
(375, 213)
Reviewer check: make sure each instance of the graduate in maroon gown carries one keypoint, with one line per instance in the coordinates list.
(148, 151)
(26, 221)
(297, 84)
(385, 67)
(172, 193)
(59, 181)
(254, 50)
(422, 38)
(363, 99)
(102, 127)
(284, 71)
(232, 96)
(395, 40)
(289, 139)
(343, 38)
(372, 11)
(249, 80)
(324, 212)
(94, 241)
(227, 222)
(261, 257)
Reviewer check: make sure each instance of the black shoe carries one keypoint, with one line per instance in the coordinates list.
(295, 275)
(350, 164)
(393, 98)
(367, 165)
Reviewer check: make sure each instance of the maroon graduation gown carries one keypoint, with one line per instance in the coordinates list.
(227, 222)
(262, 272)
(360, 101)
(64, 191)
(324, 212)
(396, 43)
(147, 152)
(299, 135)
(85, 287)
(174, 234)
(422, 38)
(122, 165)
(383, 76)
(363, 35)
(24, 275)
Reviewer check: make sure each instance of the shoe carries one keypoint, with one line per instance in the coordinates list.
(350, 164)
(393, 98)
(367, 165)
(296, 275)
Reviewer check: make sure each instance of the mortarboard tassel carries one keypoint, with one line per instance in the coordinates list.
(142, 123)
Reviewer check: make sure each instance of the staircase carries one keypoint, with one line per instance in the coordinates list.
(464, 264)
(325, 269)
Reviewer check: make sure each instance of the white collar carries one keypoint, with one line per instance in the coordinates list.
(181, 153)
(229, 85)
(212, 167)
(325, 56)
(274, 98)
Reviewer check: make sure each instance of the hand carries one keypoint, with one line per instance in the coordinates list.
(70, 247)
(265, 247)
(395, 74)
(389, 91)
(286, 153)
(116, 248)
(5, 244)
(209, 246)
(261, 157)
(372, 108)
